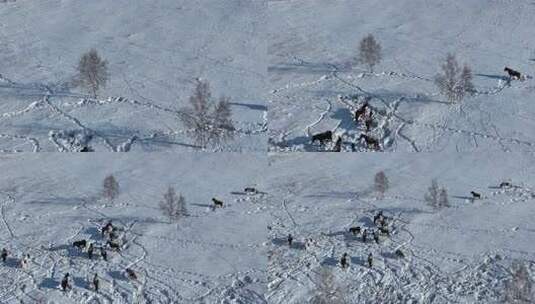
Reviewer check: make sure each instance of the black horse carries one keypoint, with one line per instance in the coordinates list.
(512, 73)
(322, 137)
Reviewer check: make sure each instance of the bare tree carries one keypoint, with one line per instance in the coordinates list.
(519, 288)
(222, 121)
(381, 182)
(454, 83)
(173, 205)
(327, 290)
(111, 188)
(210, 122)
(369, 52)
(431, 197)
(92, 72)
(443, 198)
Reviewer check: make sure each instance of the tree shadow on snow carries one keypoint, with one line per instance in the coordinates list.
(62, 201)
(311, 67)
(250, 106)
(335, 194)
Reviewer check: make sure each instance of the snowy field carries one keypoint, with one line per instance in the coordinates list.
(155, 51)
(315, 82)
(457, 254)
(48, 201)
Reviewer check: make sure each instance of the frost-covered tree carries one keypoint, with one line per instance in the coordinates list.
(454, 83)
(431, 197)
(327, 290)
(369, 52)
(443, 198)
(381, 182)
(173, 206)
(519, 289)
(92, 72)
(209, 121)
(436, 196)
(110, 188)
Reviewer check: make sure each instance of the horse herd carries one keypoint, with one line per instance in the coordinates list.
(364, 115)
(381, 222)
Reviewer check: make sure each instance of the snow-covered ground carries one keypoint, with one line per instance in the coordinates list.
(460, 254)
(155, 51)
(49, 200)
(314, 79)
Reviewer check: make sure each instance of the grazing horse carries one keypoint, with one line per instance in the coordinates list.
(80, 244)
(114, 246)
(512, 73)
(506, 185)
(475, 195)
(371, 142)
(321, 137)
(65, 283)
(361, 111)
(343, 260)
(131, 274)
(338, 145)
(379, 216)
(354, 230)
(376, 237)
(368, 123)
(399, 253)
(217, 203)
(384, 230)
(250, 190)
(108, 228)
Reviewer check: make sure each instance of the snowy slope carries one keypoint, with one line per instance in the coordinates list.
(313, 73)
(50, 200)
(155, 50)
(460, 254)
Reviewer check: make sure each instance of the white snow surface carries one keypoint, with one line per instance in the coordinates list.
(312, 51)
(460, 254)
(50, 200)
(155, 51)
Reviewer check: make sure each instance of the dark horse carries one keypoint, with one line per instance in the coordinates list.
(321, 137)
(371, 142)
(512, 73)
